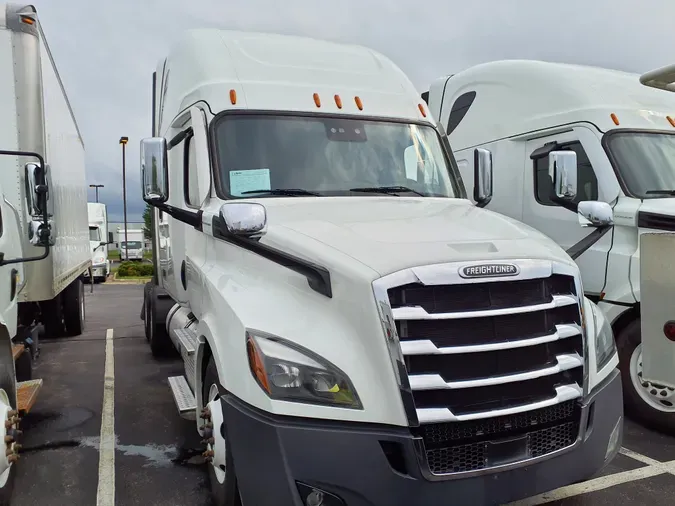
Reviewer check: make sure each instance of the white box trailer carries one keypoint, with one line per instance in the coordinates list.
(43, 234)
(130, 244)
(99, 239)
(37, 117)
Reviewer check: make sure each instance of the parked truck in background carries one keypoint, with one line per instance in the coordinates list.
(354, 330)
(618, 130)
(130, 244)
(98, 241)
(44, 246)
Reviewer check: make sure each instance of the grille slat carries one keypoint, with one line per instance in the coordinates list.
(513, 330)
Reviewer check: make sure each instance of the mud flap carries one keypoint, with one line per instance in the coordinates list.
(657, 306)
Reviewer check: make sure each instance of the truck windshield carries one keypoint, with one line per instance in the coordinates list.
(645, 161)
(282, 155)
(131, 244)
(93, 234)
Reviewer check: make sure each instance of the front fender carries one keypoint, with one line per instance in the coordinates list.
(345, 330)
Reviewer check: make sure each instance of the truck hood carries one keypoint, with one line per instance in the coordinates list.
(665, 206)
(391, 233)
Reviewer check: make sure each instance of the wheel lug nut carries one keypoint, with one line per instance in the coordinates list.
(13, 458)
(208, 454)
(9, 439)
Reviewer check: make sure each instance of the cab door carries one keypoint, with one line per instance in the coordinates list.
(557, 222)
(182, 247)
(12, 277)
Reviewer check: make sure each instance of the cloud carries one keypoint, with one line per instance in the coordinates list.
(106, 52)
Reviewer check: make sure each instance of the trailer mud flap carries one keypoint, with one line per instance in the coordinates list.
(657, 306)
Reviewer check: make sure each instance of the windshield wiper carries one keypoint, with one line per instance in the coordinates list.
(660, 192)
(387, 189)
(285, 191)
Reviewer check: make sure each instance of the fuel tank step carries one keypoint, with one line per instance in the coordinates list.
(26, 393)
(183, 397)
(187, 339)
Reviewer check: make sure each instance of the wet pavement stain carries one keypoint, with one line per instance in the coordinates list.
(155, 455)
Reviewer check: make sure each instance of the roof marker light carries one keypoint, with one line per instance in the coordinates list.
(421, 108)
(28, 20)
(233, 96)
(671, 121)
(359, 104)
(614, 118)
(338, 101)
(317, 100)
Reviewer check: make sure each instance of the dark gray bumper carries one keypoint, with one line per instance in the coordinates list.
(271, 454)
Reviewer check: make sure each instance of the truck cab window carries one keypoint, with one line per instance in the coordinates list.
(587, 183)
(329, 156)
(191, 180)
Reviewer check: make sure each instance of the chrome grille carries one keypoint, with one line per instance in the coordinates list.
(483, 349)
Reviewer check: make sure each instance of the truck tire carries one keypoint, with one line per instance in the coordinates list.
(147, 290)
(225, 492)
(156, 313)
(651, 405)
(73, 308)
(8, 386)
(51, 315)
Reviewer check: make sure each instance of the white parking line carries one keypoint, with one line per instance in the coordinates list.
(652, 468)
(105, 494)
(638, 456)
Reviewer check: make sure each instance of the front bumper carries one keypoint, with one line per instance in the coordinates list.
(98, 270)
(271, 454)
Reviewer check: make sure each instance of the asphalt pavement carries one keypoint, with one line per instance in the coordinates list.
(153, 456)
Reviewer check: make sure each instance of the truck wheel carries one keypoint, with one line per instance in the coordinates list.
(224, 488)
(51, 314)
(73, 308)
(147, 290)
(650, 404)
(155, 315)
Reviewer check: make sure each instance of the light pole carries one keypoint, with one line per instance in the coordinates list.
(96, 186)
(123, 142)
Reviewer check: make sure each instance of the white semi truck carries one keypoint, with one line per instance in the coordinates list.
(130, 244)
(99, 239)
(44, 247)
(618, 130)
(354, 330)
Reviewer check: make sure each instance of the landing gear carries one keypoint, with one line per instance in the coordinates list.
(224, 489)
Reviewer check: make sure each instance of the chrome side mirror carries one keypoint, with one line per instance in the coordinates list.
(154, 170)
(595, 214)
(562, 168)
(482, 175)
(36, 186)
(244, 219)
(36, 235)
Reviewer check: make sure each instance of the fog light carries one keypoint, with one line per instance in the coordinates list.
(614, 438)
(312, 496)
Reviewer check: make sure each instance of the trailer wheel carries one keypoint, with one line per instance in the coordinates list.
(155, 315)
(650, 404)
(224, 488)
(73, 308)
(51, 314)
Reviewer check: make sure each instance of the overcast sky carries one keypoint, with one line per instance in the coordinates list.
(106, 51)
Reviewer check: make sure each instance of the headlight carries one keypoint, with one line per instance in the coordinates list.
(99, 260)
(288, 372)
(605, 347)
